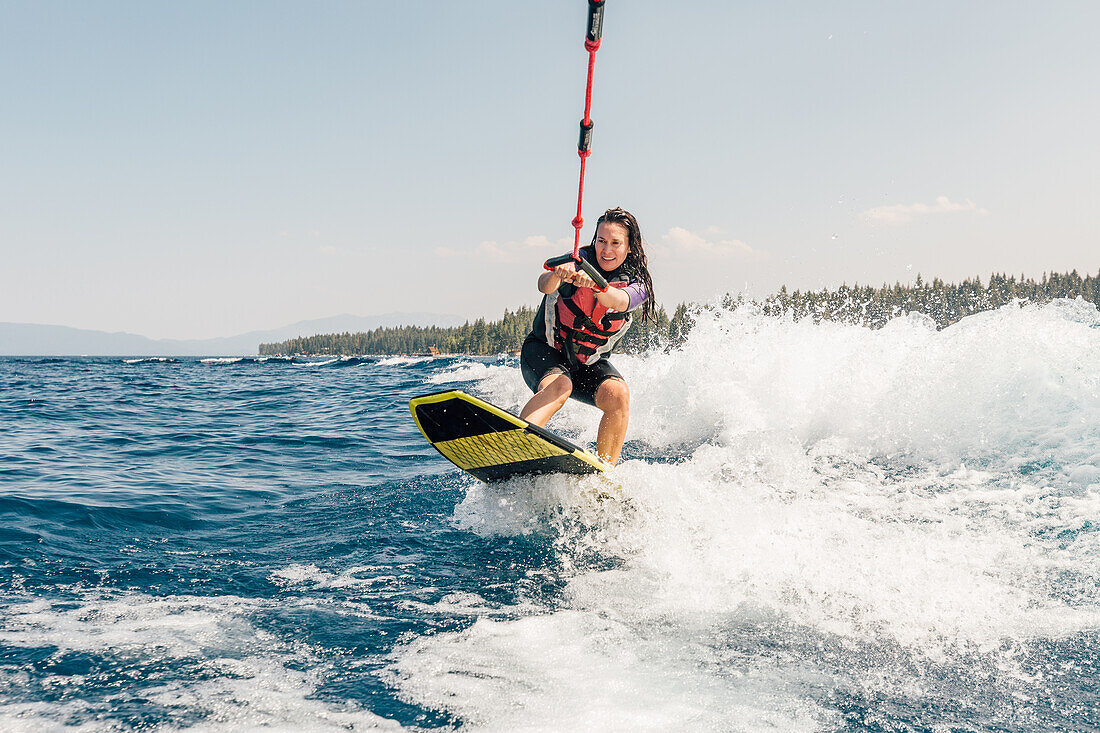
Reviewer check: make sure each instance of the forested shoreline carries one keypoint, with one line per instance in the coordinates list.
(873, 307)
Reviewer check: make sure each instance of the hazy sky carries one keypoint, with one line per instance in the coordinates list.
(198, 169)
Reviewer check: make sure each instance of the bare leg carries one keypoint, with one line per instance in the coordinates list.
(554, 390)
(613, 397)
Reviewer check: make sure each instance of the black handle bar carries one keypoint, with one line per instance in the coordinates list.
(588, 267)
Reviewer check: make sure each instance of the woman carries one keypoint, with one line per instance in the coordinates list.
(576, 328)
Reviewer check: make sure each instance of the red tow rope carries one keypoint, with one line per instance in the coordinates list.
(584, 147)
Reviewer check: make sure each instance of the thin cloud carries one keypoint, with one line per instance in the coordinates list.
(511, 252)
(901, 213)
(682, 241)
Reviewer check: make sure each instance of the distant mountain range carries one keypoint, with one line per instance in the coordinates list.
(32, 339)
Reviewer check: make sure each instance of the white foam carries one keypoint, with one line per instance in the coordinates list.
(247, 679)
(222, 360)
(470, 604)
(471, 371)
(924, 491)
(317, 363)
(357, 576)
(253, 694)
(403, 360)
(578, 671)
(42, 717)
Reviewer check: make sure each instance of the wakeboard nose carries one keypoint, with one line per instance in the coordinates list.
(491, 444)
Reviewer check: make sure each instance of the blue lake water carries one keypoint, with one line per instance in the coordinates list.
(821, 527)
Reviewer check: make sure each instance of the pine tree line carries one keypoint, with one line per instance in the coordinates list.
(480, 338)
(945, 303)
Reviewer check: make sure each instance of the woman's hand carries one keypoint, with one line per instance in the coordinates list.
(566, 273)
(579, 278)
(551, 280)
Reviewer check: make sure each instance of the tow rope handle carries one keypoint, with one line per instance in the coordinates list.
(583, 264)
(593, 35)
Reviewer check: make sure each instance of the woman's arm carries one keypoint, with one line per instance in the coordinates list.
(552, 279)
(615, 298)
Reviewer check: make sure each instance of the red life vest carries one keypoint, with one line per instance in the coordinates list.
(584, 328)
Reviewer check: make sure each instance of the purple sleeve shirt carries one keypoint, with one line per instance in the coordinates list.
(637, 292)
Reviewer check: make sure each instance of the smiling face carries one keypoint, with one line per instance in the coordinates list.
(612, 245)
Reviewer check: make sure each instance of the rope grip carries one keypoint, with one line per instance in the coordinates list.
(584, 145)
(595, 25)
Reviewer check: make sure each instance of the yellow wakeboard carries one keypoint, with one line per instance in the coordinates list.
(491, 444)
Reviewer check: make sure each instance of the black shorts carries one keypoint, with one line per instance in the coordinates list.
(536, 360)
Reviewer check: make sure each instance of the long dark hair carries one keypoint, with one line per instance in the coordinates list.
(635, 259)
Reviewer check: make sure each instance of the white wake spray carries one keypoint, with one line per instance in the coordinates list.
(901, 493)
